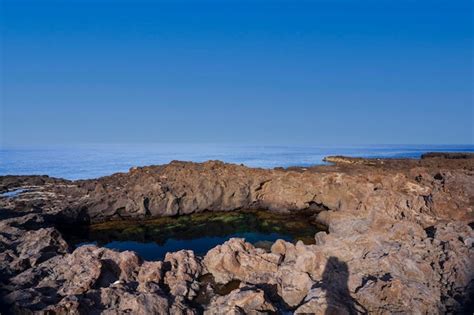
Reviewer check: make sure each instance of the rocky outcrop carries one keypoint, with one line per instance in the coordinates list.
(181, 278)
(246, 300)
(400, 240)
(421, 189)
(238, 260)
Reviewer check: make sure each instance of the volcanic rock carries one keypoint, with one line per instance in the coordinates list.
(399, 239)
(246, 300)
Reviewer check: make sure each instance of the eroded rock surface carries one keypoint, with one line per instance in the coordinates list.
(246, 300)
(400, 240)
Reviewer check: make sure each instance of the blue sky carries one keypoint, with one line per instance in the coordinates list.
(251, 72)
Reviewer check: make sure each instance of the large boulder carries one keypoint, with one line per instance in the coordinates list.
(237, 259)
(245, 300)
(183, 270)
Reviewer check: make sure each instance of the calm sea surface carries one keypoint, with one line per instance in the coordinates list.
(80, 162)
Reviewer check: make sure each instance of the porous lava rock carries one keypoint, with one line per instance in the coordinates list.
(399, 239)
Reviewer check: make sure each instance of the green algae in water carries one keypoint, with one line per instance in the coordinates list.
(152, 239)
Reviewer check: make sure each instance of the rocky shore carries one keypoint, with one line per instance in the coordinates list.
(400, 240)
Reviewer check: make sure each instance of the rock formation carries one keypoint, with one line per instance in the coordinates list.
(400, 240)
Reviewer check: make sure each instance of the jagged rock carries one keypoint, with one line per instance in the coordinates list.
(73, 274)
(321, 302)
(293, 285)
(237, 259)
(320, 238)
(123, 266)
(120, 300)
(24, 244)
(400, 240)
(150, 275)
(70, 305)
(180, 307)
(184, 269)
(246, 300)
(40, 245)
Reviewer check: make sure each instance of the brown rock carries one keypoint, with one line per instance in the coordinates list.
(293, 285)
(150, 272)
(320, 302)
(400, 239)
(237, 259)
(246, 300)
(184, 269)
(120, 300)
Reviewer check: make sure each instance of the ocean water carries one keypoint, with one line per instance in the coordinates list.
(90, 161)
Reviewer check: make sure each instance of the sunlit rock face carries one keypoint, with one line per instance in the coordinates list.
(399, 239)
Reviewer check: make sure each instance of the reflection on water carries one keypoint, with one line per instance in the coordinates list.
(199, 232)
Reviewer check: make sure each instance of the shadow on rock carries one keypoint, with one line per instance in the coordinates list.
(335, 283)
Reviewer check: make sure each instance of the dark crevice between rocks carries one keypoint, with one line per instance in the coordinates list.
(466, 305)
(8, 214)
(385, 278)
(260, 185)
(83, 216)
(208, 288)
(177, 202)
(109, 273)
(118, 212)
(430, 231)
(165, 268)
(75, 218)
(271, 292)
(441, 264)
(365, 280)
(146, 206)
(428, 201)
(317, 206)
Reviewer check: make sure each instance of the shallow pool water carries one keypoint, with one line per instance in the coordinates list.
(12, 193)
(152, 239)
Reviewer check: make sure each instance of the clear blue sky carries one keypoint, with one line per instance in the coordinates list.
(257, 72)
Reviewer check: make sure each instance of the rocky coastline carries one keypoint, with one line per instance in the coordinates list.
(400, 240)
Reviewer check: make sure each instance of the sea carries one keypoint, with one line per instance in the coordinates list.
(91, 161)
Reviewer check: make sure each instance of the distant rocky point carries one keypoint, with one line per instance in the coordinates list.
(373, 161)
(400, 240)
